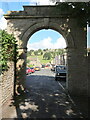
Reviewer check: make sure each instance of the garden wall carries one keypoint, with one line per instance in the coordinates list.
(6, 85)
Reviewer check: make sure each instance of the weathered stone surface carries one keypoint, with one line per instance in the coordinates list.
(7, 84)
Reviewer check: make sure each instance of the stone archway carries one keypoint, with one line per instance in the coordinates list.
(25, 23)
(49, 25)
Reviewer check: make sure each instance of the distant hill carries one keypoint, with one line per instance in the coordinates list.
(37, 56)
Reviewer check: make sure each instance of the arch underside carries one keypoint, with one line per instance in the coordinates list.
(50, 25)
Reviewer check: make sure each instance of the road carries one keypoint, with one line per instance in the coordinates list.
(46, 98)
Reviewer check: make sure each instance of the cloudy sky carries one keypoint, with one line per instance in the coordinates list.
(47, 39)
(41, 39)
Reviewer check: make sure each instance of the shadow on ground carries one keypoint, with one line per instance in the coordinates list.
(45, 99)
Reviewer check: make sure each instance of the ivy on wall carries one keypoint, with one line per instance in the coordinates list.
(8, 50)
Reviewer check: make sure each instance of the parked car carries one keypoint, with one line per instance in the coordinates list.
(28, 71)
(60, 72)
(32, 69)
(48, 65)
(43, 66)
(37, 68)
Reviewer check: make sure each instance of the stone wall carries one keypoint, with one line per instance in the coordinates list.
(7, 84)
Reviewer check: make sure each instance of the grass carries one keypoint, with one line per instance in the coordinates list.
(42, 61)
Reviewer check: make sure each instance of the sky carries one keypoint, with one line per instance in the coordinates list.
(88, 37)
(41, 39)
(47, 39)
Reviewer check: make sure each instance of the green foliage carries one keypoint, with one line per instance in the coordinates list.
(60, 52)
(47, 56)
(29, 53)
(7, 49)
(41, 57)
(53, 54)
(28, 61)
(30, 65)
(40, 52)
(36, 52)
(45, 49)
(43, 61)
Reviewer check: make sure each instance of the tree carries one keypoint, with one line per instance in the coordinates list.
(61, 51)
(47, 56)
(36, 52)
(45, 49)
(53, 54)
(29, 53)
(40, 51)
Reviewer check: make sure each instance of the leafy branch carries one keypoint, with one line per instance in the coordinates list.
(8, 48)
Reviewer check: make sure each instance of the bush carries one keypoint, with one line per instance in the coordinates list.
(7, 49)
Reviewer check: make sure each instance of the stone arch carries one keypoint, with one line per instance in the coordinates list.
(50, 25)
(25, 23)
